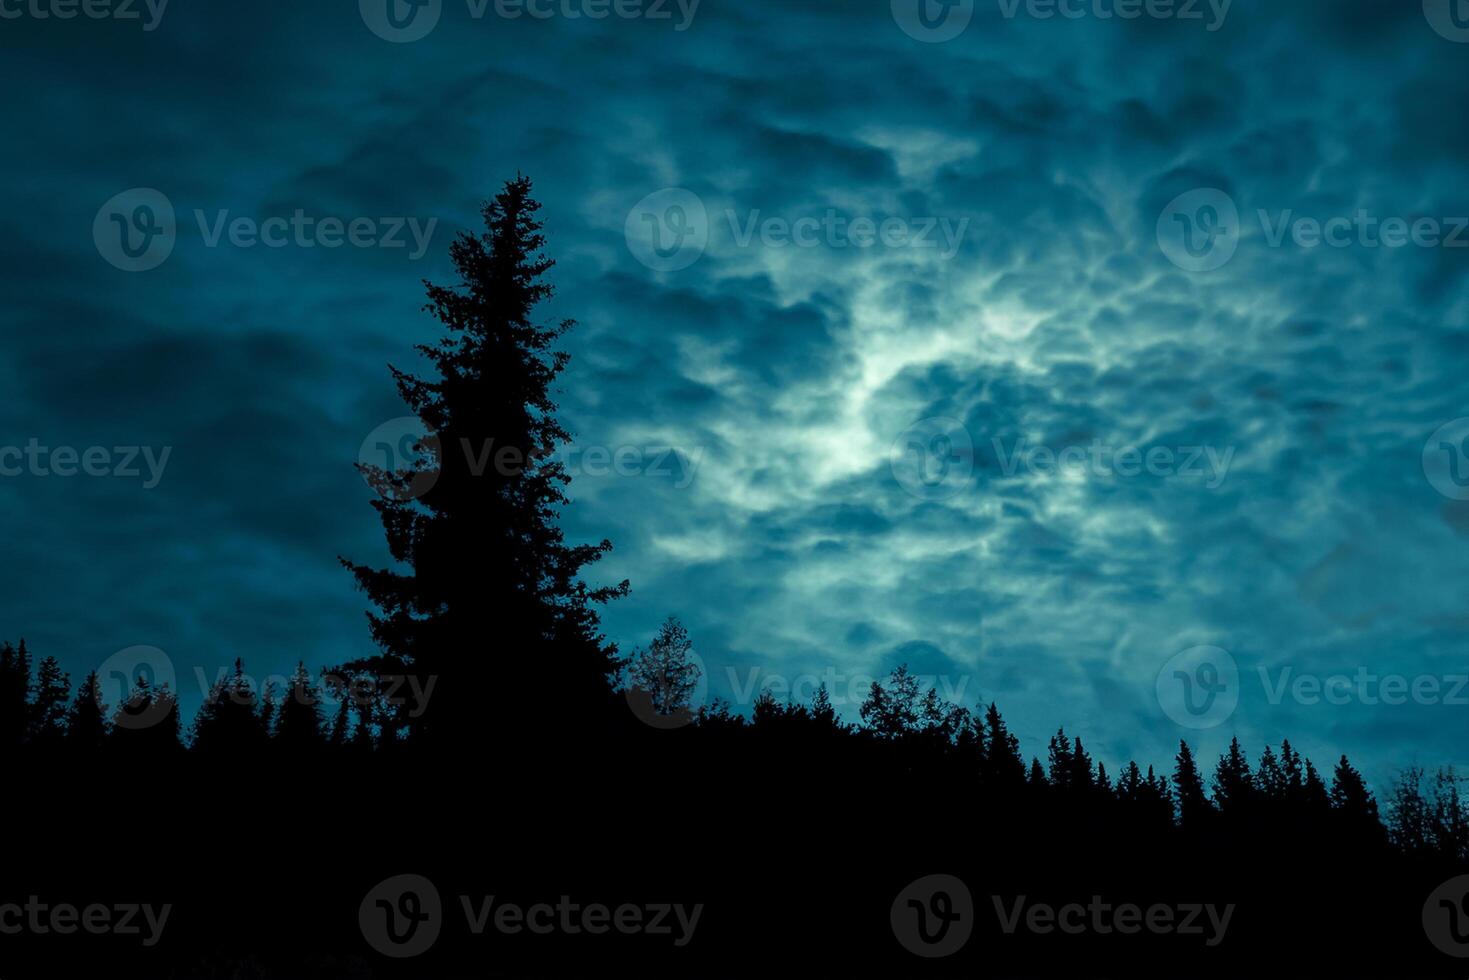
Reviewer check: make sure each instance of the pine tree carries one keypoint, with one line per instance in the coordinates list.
(821, 710)
(47, 722)
(1270, 778)
(86, 726)
(475, 521)
(299, 722)
(230, 722)
(15, 693)
(1290, 764)
(146, 726)
(1353, 803)
(1409, 816)
(1059, 753)
(1004, 767)
(1082, 780)
(893, 709)
(1233, 782)
(1193, 806)
(1037, 780)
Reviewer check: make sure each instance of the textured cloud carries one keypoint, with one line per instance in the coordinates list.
(783, 373)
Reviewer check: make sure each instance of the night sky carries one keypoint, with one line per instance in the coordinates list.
(1032, 276)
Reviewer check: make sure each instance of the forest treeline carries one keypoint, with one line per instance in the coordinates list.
(1423, 815)
(487, 602)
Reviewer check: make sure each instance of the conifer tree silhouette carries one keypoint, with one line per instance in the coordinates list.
(46, 723)
(1354, 805)
(87, 725)
(300, 725)
(146, 726)
(15, 692)
(230, 722)
(1004, 766)
(1194, 808)
(1234, 784)
(493, 602)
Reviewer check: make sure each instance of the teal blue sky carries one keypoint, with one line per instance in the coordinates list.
(1048, 306)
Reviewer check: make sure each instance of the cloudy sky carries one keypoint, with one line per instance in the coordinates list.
(975, 346)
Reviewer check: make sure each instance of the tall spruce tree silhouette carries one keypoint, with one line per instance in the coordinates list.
(492, 603)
